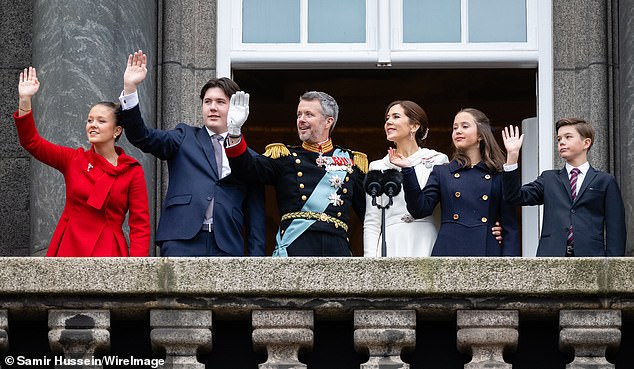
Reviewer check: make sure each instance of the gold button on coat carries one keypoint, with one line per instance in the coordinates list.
(297, 161)
(456, 217)
(456, 175)
(485, 197)
(347, 179)
(339, 214)
(301, 185)
(484, 219)
(304, 197)
(345, 190)
(457, 193)
(294, 154)
(299, 174)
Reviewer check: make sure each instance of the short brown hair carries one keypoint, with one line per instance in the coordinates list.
(584, 128)
(227, 85)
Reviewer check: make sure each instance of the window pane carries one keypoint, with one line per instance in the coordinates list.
(431, 21)
(270, 21)
(497, 20)
(337, 21)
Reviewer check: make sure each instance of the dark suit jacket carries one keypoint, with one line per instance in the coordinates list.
(597, 214)
(193, 182)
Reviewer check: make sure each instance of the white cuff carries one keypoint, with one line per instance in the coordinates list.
(228, 140)
(510, 167)
(129, 101)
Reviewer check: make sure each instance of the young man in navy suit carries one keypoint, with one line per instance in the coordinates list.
(206, 207)
(583, 209)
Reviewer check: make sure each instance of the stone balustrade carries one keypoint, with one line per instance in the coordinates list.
(306, 312)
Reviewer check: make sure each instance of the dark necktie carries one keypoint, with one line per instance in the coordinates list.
(574, 173)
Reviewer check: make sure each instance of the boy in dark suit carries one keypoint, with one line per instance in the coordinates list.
(206, 207)
(583, 209)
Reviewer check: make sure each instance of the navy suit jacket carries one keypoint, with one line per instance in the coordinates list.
(597, 214)
(193, 182)
(471, 202)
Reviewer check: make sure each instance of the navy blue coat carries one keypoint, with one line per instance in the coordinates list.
(193, 182)
(471, 202)
(597, 207)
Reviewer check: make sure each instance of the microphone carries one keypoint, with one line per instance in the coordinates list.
(372, 183)
(391, 182)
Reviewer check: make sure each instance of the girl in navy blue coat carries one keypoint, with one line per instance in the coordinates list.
(469, 189)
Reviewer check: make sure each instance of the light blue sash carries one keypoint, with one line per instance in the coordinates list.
(317, 202)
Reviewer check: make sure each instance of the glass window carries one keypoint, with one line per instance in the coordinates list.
(497, 20)
(431, 21)
(270, 21)
(336, 21)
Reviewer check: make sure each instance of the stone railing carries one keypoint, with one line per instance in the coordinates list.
(317, 312)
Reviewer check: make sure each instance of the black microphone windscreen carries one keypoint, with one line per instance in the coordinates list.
(391, 182)
(372, 183)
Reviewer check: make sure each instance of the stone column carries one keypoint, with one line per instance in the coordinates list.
(282, 334)
(625, 146)
(4, 334)
(181, 334)
(582, 71)
(79, 335)
(188, 62)
(80, 50)
(486, 335)
(16, 44)
(384, 334)
(588, 334)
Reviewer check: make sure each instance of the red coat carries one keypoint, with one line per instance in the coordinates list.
(98, 196)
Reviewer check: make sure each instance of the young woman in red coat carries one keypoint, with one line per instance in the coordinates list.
(102, 183)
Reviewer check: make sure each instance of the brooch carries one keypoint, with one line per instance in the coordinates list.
(335, 199)
(407, 218)
(336, 181)
(89, 167)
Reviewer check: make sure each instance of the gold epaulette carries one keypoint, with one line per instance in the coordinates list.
(361, 161)
(275, 150)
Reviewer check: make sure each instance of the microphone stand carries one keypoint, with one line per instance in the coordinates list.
(383, 208)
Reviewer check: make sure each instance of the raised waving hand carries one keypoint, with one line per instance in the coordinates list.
(28, 85)
(135, 72)
(513, 143)
(238, 113)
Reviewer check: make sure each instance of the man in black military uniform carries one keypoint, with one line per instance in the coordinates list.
(316, 182)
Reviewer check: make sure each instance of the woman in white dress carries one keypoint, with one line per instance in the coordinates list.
(406, 125)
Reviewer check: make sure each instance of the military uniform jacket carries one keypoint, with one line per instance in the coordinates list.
(471, 201)
(295, 174)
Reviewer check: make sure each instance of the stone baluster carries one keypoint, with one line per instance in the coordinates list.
(383, 334)
(486, 335)
(4, 334)
(282, 334)
(79, 335)
(588, 334)
(181, 335)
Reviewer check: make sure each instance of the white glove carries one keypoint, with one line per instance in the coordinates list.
(238, 112)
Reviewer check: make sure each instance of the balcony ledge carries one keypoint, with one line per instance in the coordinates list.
(327, 285)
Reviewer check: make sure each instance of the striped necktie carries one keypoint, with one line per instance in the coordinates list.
(574, 173)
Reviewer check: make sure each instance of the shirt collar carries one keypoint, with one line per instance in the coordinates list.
(224, 135)
(583, 168)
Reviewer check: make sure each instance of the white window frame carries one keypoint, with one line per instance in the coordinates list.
(384, 48)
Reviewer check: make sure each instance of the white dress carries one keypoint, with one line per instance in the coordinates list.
(405, 236)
